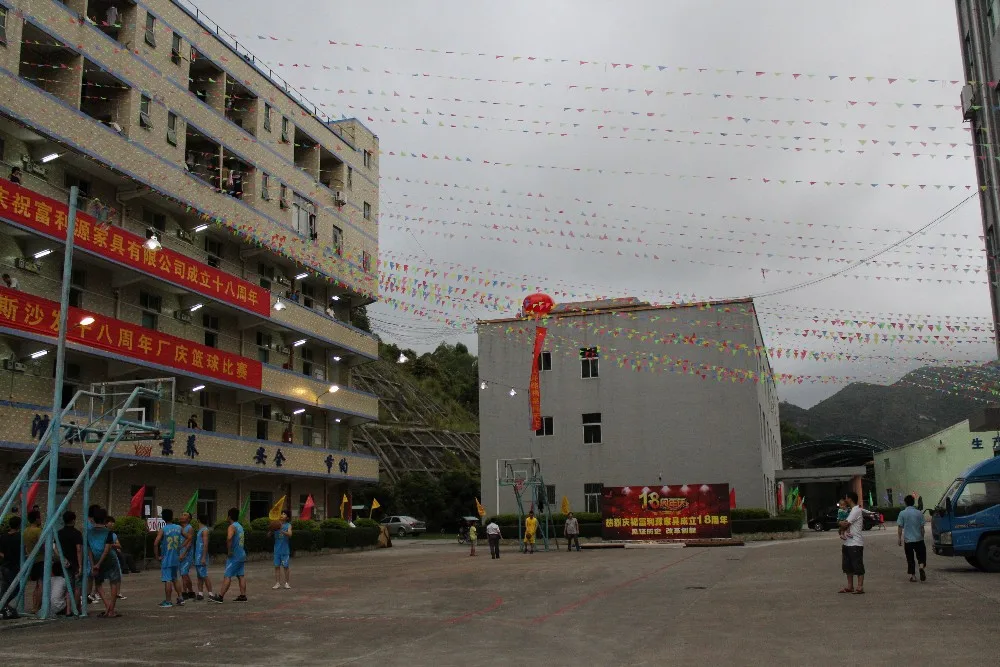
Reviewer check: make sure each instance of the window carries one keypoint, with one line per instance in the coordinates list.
(213, 248)
(886, 462)
(589, 358)
(592, 497)
(148, 500)
(151, 29)
(338, 240)
(304, 218)
(368, 211)
(970, 62)
(263, 347)
(368, 159)
(366, 261)
(149, 321)
(283, 195)
(307, 362)
(976, 497)
(84, 186)
(308, 295)
(144, 120)
(208, 420)
(77, 284)
(157, 221)
(350, 177)
(207, 506)
(265, 182)
(260, 504)
(151, 302)
(592, 428)
(993, 15)
(550, 494)
(211, 325)
(3, 25)
(171, 128)
(267, 116)
(285, 130)
(545, 361)
(175, 49)
(546, 427)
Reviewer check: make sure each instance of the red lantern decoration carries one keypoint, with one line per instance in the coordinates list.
(537, 305)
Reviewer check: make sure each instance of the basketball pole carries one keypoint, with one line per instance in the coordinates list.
(55, 437)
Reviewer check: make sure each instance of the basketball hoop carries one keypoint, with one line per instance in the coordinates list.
(143, 450)
(519, 485)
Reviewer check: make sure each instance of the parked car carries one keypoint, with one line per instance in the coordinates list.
(828, 520)
(401, 526)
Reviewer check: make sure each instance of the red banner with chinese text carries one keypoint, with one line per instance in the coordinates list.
(691, 511)
(534, 386)
(48, 216)
(26, 312)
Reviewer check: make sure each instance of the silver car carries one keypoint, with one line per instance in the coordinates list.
(401, 526)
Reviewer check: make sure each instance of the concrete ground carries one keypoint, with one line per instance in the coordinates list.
(429, 603)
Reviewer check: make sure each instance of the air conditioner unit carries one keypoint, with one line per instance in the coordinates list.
(185, 235)
(282, 280)
(968, 102)
(32, 167)
(277, 416)
(183, 315)
(11, 365)
(338, 198)
(282, 349)
(26, 264)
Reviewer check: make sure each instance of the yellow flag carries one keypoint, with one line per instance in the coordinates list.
(565, 505)
(480, 510)
(275, 512)
(375, 504)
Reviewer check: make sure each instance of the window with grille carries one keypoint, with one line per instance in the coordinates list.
(267, 117)
(150, 29)
(547, 427)
(592, 428)
(592, 497)
(175, 49)
(589, 359)
(545, 361)
(338, 240)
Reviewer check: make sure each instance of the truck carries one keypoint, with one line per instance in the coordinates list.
(966, 521)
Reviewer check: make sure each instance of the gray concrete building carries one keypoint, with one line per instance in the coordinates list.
(631, 394)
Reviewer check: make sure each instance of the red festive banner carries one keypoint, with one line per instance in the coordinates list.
(49, 216)
(692, 511)
(534, 387)
(27, 312)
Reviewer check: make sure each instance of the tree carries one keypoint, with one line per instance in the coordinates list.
(419, 494)
(359, 318)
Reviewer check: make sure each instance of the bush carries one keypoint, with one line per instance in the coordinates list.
(769, 525)
(305, 539)
(747, 513)
(363, 536)
(260, 523)
(304, 524)
(134, 545)
(334, 524)
(132, 526)
(366, 523)
(334, 538)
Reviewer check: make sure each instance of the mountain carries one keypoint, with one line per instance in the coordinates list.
(923, 402)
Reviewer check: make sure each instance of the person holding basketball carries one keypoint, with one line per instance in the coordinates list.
(530, 528)
(282, 548)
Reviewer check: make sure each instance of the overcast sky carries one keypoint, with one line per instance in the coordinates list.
(696, 226)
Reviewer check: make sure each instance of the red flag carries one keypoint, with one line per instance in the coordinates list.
(307, 509)
(732, 498)
(30, 501)
(781, 500)
(534, 386)
(135, 508)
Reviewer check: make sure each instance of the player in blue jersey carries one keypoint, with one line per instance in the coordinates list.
(187, 555)
(282, 550)
(201, 558)
(235, 560)
(169, 555)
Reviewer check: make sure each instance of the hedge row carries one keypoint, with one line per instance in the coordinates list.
(890, 513)
(780, 524)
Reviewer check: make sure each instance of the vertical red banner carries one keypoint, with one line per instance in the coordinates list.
(534, 388)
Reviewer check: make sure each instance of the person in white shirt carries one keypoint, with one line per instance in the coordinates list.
(853, 549)
(493, 537)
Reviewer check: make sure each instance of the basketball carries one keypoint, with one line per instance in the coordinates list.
(274, 526)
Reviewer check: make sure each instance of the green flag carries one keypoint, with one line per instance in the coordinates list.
(192, 506)
(871, 501)
(245, 510)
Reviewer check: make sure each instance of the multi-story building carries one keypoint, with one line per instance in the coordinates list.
(978, 21)
(264, 213)
(632, 394)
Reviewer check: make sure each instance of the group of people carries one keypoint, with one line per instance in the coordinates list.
(910, 536)
(494, 535)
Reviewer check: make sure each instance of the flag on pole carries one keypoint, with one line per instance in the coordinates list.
(30, 499)
(565, 505)
(480, 510)
(375, 506)
(342, 503)
(275, 513)
(135, 507)
(192, 506)
(732, 498)
(245, 510)
(307, 509)
(871, 500)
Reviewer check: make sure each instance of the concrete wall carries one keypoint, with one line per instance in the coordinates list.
(929, 466)
(667, 423)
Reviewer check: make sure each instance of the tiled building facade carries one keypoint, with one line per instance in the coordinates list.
(266, 214)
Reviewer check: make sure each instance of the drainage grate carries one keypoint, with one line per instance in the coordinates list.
(696, 588)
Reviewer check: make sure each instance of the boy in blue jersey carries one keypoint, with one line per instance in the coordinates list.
(187, 555)
(235, 560)
(169, 556)
(201, 558)
(104, 563)
(282, 550)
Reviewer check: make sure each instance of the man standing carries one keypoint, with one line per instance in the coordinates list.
(493, 536)
(31, 536)
(235, 560)
(186, 555)
(104, 563)
(71, 541)
(530, 528)
(572, 532)
(201, 558)
(910, 523)
(170, 558)
(853, 549)
(10, 563)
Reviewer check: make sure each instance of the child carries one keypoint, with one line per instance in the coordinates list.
(170, 536)
(472, 538)
(842, 513)
(201, 558)
(236, 559)
(116, 548)
(104, 563)
(187, 555)
(282, 550)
